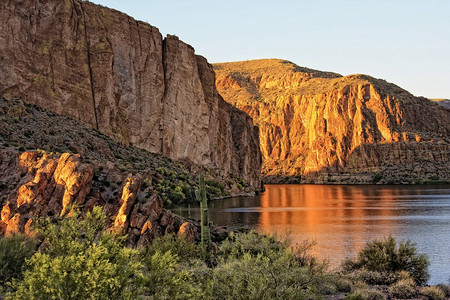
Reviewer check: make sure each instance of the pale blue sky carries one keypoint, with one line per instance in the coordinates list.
(406, 42)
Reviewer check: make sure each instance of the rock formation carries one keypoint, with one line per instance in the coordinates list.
(322, 127)
(40, 185)
(119, 76)
(49, 162)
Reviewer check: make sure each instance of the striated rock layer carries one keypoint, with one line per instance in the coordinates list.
(37, 185)
(120, 76)
(323, 127)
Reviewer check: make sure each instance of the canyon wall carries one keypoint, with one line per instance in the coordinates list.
(322, 127)
(119, 76)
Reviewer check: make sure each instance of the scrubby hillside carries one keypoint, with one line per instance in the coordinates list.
(49, 162)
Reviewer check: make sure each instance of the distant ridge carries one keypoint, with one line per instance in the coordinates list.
(442, 102)
(323, 127)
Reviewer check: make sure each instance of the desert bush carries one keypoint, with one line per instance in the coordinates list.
(373, 294)
(342, 284)
(173, 269)
(386, 257)
(178, 246)
(377, 177)
(215, 184)
(403, 289)
(373, 277)
(254, 266)
(433, 293)
(81, 261)
(165, 278)
(445, 288)
(14, 250)
(365, 294)
(238, 244)
(271, 276)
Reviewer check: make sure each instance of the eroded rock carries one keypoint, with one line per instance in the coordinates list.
(45, 185)
(328, 128)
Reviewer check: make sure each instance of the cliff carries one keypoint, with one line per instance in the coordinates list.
(49, 162)
(119, 76)
(322, 127)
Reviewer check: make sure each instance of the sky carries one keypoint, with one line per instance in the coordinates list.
(406, 42)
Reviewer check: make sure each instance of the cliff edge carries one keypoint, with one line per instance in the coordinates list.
(119, 76)
(322, 127)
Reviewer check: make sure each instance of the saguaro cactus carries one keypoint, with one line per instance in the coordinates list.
(201, 196)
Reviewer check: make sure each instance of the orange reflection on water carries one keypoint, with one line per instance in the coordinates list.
(338, 218)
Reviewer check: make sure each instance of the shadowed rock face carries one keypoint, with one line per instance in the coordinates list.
(329, 128)
(120, 76)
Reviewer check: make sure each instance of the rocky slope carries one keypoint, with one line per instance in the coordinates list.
(36, 184)
(49, 162)
(442, 102)
(322, 127)
(119, 76)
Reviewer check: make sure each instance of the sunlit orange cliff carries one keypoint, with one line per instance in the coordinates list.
(323, 127)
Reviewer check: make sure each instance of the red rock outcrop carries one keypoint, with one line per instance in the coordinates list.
(120, 76)
(328, 128)
(35, 185)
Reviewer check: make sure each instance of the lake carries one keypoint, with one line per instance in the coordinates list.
(342, 218)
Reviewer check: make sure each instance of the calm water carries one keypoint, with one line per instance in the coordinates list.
(342, 218)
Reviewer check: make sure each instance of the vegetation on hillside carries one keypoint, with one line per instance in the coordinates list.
(26, 127)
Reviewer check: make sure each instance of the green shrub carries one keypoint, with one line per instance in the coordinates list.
(272, 276)
(433, 293)
(254, 266)
(342, 284)
(176, 245)
(238, 244)
(373, 277)
(81, 261)
(165, 278)
(377, 177)
(366, 294)
(215, 184)
(403, 289)
(176, 195)
(214, 188)
(146, 183)
(173, 269)
(14, 250)
(386, 257)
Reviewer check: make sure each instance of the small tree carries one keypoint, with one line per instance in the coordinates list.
(81, 261)
(386, 257)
